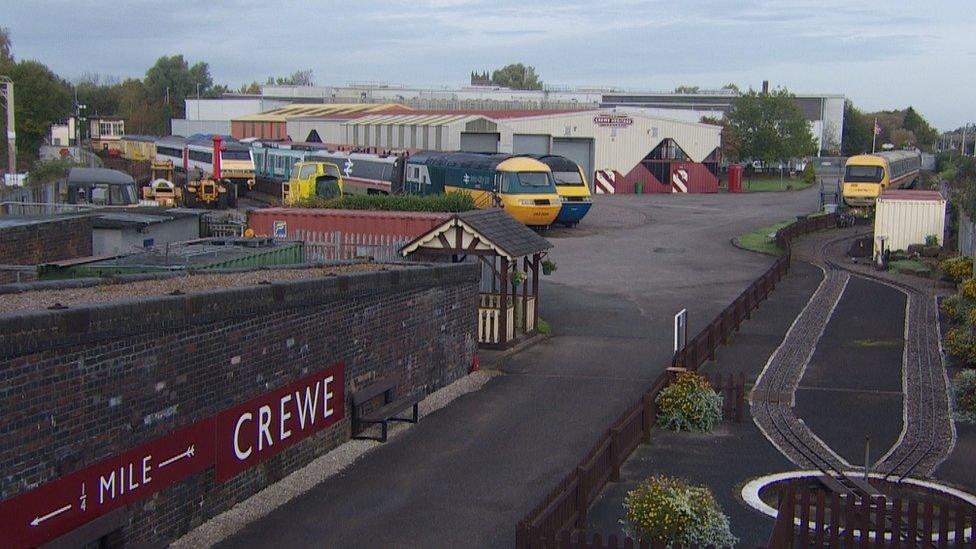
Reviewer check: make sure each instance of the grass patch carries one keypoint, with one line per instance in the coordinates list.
(774, 185)
(762, 240)
(909, 266)
(543, 327)
(874, 343)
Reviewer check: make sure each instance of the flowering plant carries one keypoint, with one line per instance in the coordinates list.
(688, 404)
(964, 393)
(669, 510)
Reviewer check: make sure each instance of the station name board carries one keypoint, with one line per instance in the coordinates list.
(232, 441)
(613, 120)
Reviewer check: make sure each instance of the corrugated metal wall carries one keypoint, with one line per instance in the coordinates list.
(906, 222)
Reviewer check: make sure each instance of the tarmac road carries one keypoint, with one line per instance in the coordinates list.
(466, 474)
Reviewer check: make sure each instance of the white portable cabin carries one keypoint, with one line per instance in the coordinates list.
(903, 218)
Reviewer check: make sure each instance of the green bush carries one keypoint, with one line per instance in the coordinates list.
(669, 510)
(957, 268)
(961, 344)
(689, 404)
(952, 308)
(809, 174)
(964, 395)
(450, 202)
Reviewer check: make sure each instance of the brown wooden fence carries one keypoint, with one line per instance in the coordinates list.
(820, 520)
(564, 509)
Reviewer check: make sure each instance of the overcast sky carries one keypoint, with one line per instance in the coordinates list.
(920, 53)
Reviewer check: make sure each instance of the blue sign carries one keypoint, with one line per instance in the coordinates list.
(281, 229)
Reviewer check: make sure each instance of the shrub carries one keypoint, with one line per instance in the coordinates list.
(968, 288)
(950, 307)
(964, 395)
(671, 511)
(961, 344)
(450, 202)
(689, 404)
(809, 174)
(957, 268)
(933, 240)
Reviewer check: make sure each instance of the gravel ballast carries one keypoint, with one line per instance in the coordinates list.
(191, 283)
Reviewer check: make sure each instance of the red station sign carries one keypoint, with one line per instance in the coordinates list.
(60, 506)
(260, 428)
(235, 440)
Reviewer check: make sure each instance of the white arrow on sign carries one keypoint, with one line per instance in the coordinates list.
(187, 454)
(52, 514)
(347, 167)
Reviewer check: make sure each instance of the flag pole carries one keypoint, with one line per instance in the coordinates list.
(874, 135)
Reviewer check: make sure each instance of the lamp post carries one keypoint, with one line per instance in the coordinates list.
(7, 94)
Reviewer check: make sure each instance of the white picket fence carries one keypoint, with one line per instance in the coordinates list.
(338, 245)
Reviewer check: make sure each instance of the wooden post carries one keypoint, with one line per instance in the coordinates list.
(535, 289)
(581, 502)
(525, 295)
(503, 305)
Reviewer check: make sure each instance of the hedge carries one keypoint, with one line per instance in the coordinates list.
(450, 202)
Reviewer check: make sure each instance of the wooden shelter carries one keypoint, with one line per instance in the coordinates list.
(510, 254)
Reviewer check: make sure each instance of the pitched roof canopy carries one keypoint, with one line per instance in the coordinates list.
(483, 232)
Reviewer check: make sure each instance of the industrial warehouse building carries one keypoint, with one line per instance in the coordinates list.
(620, 151)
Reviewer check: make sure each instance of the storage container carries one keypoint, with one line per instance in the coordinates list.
(903, 218)
(284, 223)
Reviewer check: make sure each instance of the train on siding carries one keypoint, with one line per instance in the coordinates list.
(571, 186)
(523, 186)
(866, 176)
(362, 173)
(188, 153)
(191, 153)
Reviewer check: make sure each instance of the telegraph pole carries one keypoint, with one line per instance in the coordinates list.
(7, 94)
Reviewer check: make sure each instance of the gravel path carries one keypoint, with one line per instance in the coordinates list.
(191, 283)
(228, 523)
(773, 396)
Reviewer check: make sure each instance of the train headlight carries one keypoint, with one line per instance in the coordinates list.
(526, 202)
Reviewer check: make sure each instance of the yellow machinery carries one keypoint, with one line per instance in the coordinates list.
(312, 179)
(207, 192)
(162, 187)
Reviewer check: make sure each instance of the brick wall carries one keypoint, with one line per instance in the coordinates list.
(88, 382)
(47, 240)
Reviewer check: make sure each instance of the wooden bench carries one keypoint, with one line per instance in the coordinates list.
(392, 405)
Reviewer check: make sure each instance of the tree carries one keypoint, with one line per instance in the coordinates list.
(42, 98)
(6, 47)
(856, 134)
(770, 126)
(99, 95)
(730, 141)
(961, 176)
(731, 87)
(218, 90)
(686, 89)
(925, 134)
(517, 77)
(253, 88)
(831, 140)
(171, 80)
(297, 78)
(143, 114)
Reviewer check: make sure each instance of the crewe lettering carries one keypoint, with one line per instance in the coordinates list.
(292, 413)
(264, 426)
(283, 416)
(241, 454)
(306, 408)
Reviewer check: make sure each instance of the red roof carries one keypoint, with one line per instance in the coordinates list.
(901, 194)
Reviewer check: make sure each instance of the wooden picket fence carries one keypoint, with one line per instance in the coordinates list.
(564, 509)
(835, 521)
(338, 245)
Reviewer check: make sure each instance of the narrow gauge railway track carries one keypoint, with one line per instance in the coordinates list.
(926, 435)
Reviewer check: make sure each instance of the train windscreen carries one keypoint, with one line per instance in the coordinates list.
(864, 174)
(568, 178)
